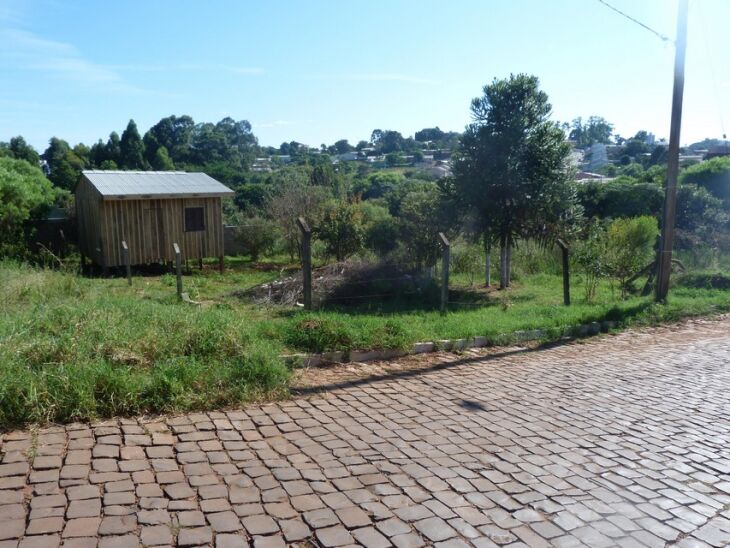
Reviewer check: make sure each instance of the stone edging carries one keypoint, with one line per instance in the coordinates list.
(449, 345)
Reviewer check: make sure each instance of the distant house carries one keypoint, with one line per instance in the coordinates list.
(348, 156)
(719, 150)
(440, 169)
(150, 211)
(586, 176)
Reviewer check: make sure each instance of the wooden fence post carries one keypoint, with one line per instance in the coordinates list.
(306, 261)
(446, 247)
(178, 270)
(62, 251)
(566, 271)
(488, 263)
(127, 265)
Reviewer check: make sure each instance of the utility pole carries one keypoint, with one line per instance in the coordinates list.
(666, 242)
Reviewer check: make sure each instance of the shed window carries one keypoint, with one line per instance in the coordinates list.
(194, 219)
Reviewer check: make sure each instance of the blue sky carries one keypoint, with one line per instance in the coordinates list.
(319, 71)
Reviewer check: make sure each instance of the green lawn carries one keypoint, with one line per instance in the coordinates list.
(74, 348)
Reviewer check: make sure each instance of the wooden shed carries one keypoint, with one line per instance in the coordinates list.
(150, 211)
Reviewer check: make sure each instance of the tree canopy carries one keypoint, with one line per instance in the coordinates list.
(25, 194)
(511, 171)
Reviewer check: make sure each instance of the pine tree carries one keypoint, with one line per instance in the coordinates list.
(131, 148)
(162, 161)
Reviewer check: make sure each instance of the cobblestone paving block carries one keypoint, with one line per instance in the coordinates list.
(618, 441)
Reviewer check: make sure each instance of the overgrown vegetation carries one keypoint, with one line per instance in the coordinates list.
(75, 348)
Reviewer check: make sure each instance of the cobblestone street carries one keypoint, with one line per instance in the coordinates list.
(619, 441)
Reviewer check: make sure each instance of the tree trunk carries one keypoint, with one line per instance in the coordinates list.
(488, 262)
(502, 263)
(509, 261)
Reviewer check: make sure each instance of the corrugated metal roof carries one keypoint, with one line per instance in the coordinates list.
(155, 184)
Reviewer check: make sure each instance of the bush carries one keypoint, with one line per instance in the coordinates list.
(256, 236)
(714, 175)
(630, 247)
(341, 229)
(591, 256)
(705, 281)
(624, 197)
(381, 228)
(422, 217)
(25, 194)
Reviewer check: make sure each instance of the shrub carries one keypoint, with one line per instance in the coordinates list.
(714, 175)
(25, 194)
(341, 229)
(705, 281)
(630, 246)
(256, 235)
(590, 255)
(381, 228)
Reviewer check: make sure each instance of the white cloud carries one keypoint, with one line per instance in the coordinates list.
(275, 123)
(26, 51)
(392, 77)
(142, 67)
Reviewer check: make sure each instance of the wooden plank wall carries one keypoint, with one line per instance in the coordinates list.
(88, 214)
(150, 227)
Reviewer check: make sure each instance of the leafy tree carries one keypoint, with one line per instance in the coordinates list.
(361, 145)
(378, 184)
(342, 146)
(429, 134)
(113, 149)
(63, 165)
(511, 169)
(97, 154)
(590, 254)
(323, 174)
(161, 160)
(341, 229)
(700, 213)
(109, 165)
(291, 201)
(658, 155)
(595, 130)
(393, 159)
(131, 148)
(240, 142)
(422, 216)
(18, 148)
(175, 134)
(637, 145)
(25, 194)
(713, 175)
(381, 228)
(251, 196)
(390, 141)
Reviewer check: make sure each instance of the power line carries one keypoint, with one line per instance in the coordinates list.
(647, 27)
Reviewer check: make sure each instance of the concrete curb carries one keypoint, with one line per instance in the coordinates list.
(448, 345)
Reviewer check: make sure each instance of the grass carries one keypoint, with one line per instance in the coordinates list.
(74, 348)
